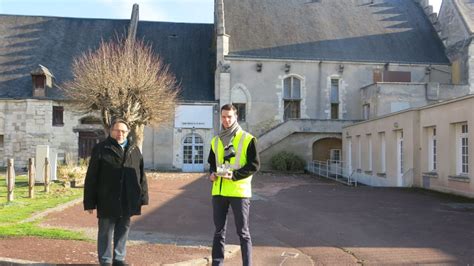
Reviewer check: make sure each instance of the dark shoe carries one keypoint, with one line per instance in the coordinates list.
(119, 263)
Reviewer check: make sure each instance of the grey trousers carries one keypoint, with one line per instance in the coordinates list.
(116, 230)
(241, 209)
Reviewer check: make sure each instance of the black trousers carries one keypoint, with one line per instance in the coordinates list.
(241, 210)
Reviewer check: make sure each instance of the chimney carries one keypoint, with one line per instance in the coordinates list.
(219, 17)
(132, 29)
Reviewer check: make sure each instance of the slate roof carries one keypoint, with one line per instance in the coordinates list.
(28, 41)
(348, 30)
(466, 7)
(189, 51)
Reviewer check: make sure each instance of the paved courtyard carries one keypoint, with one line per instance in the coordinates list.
(301, 220)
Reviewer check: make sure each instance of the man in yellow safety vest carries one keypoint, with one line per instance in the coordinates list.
(233, 160)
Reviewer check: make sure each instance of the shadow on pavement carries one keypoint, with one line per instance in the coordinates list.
(319, 219)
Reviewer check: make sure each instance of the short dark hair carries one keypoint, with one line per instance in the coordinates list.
(229, 107)
(119, 120)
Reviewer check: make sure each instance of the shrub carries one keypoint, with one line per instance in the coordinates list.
(71, 171)
(286, 161)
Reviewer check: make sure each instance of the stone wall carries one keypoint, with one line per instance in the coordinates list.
(27, 123)
(300, 144)
(457, 39)
(265, 88)
(384, 97)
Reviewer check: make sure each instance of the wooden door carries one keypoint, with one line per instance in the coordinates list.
(87, 141)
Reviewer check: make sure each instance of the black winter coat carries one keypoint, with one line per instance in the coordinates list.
(115, 182)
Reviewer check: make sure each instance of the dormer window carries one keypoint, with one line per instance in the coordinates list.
(41, 78)
(39, 89)
(39, 81)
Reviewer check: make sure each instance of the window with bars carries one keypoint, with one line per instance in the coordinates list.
(400, 152)
(432, 149)
(58, 112)
(291, 97)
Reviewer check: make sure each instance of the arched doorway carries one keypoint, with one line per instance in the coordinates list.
(327, 149)
(193, 153)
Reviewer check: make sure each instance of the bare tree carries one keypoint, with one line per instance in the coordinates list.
(124, 78)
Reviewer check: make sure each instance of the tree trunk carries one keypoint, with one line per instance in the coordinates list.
(138, 135)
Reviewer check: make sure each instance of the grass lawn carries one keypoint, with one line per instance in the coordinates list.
(22, 207)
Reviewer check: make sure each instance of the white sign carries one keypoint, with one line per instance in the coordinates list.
(193, 116)
(42, 152)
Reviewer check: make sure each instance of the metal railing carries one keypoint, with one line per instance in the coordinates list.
(333, 170)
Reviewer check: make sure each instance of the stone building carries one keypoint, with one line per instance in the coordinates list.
(425, 147)
(298, 71)
(37, 53)
(456, 29)
(428, 145)
(297, 68)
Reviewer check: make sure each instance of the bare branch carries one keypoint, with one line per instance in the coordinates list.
(124, 79)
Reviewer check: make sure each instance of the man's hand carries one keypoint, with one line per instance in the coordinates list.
(90, 211)
(212, 177)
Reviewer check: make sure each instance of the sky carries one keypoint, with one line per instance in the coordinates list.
(196, 11)
(192, 11)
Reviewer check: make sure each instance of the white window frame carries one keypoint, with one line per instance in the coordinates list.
(359, 153)
(462, 149)
(332, 154)
(369, 152)
(383, 149)
(432, 149)
(400, 163)
(295, 95)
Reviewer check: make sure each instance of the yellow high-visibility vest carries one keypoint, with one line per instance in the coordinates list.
(227, 187)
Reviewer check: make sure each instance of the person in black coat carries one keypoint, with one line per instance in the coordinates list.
(116, 186)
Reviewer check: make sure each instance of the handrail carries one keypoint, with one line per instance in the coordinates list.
(332, 169)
